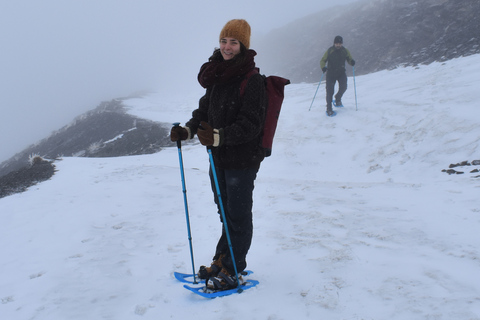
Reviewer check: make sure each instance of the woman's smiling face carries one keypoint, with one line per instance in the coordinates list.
(229, 47)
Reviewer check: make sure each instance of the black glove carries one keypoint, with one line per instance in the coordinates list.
(178, 133)
(209, 136)
(324, 69)
(353, 62)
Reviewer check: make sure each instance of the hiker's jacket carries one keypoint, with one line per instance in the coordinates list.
(336, 61)
(240, 118)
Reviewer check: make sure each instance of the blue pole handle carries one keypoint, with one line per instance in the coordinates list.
(179, 142)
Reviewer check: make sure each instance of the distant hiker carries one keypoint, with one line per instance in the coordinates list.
(231, 125)
(335, 58)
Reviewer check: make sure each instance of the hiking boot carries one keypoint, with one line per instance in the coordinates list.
(329, 109)
(213, 270)
(223, 281)
(338, 103)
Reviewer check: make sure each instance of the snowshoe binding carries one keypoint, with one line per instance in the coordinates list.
(223, 281)
(213, 270)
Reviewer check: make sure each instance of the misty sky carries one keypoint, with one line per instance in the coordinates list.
(60, 58)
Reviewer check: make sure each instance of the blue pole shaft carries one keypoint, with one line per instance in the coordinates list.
(316, 92)
(184, 189)
(355, 86)
(224, 218)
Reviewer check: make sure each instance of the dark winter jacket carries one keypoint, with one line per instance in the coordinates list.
(336, 61)
(240, 118)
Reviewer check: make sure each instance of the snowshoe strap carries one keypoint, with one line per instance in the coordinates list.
(231, 281)
(216, 284)
(221, 282)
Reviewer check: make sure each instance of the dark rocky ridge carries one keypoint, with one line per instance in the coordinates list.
(107, 131)
(18, 181)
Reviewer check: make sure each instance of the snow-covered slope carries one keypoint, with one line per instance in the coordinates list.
(354, 218)
(380, 34)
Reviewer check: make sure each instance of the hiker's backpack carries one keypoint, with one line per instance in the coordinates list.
(275, 93)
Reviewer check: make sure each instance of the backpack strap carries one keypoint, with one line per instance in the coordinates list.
(244, 82)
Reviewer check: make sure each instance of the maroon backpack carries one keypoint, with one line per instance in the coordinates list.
(275, 93)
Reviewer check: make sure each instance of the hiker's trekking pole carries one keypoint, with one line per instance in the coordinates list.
(316, 92)
(180, 158)
(355, 87)
(224, 218)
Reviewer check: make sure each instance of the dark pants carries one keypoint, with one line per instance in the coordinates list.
(330, 87)
(236, 190)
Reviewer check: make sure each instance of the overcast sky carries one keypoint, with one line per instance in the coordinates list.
(60, 58)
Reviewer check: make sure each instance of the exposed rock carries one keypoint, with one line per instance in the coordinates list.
(462, 164)
(19, 180)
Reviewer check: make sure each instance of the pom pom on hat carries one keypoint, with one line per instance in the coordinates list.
(238, 29)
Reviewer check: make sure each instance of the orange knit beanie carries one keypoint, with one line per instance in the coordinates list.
(238, 29)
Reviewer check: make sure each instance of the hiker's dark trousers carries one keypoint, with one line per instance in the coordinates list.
(236, 190)
(330, 87)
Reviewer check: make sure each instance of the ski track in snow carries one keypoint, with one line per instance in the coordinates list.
(353, 217)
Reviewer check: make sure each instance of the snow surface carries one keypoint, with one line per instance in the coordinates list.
(353, 217)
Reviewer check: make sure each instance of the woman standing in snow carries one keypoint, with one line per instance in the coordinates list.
(231, 125)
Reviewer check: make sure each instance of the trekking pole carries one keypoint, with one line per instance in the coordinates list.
(355, 87)
(316, 92)
(224, 218)
(180, 158)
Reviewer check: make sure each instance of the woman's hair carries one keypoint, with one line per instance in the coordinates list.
(217, 55)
